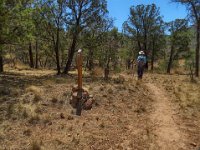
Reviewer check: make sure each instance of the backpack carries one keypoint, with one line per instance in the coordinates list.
(141, 61)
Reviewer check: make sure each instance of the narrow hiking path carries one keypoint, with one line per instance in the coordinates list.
(166, 130)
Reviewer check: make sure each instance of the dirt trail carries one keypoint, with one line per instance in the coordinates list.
(166, 131)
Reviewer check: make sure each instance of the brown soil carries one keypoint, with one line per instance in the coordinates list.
(166, 131)
(35, 114)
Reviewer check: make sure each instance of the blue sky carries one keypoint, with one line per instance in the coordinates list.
(119, 9)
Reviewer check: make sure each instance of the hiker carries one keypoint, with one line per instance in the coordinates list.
(141, 61)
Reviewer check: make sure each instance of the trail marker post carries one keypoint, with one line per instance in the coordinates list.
(80, 98)
(79, 63)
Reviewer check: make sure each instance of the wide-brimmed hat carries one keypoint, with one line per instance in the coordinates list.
(141, 52)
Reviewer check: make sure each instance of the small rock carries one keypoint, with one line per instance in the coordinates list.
(62, 116)
(27, 132)
(70, 128)
(61, 102)
(97, 118)
(104, 95)
(193, 144)
(102, 125)
(101, 88)
(75, 141)
(54, 100)
(96, 104)
(88, 104)
(110, 91)
(70, 118)
(50, 123)
(44, 104)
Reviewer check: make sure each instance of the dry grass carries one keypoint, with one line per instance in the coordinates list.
(22, 69)
(188, 95)
(34, 90)
(97, 72)
(45, 110)
(41, 117)
(186, 92)
(27, 108)
(18, 67)
(120, 79)
(85, 73)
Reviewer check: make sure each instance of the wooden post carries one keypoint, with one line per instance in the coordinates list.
(79, 63)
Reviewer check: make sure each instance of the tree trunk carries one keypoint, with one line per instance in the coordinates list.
(31, 63)
(139, 44)
(87, 63)
(107, 70)
(74, 41)
(147, 63)
(1, 59)
(153, 55)
(138, 41)
(197, 49)
(62, 59)
(57, 51)
(1, 63)
(145, 41)
(70, 55)
(197, 18)
(170, 60)
(128, 63)
(106, 73)
(90, 61)
(45, 62)
(36, 54)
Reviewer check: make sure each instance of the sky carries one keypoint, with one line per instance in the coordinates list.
(120, 10)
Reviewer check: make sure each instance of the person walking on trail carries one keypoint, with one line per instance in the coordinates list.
(141, 61)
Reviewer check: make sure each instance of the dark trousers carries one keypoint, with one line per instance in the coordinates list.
(140, 71)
